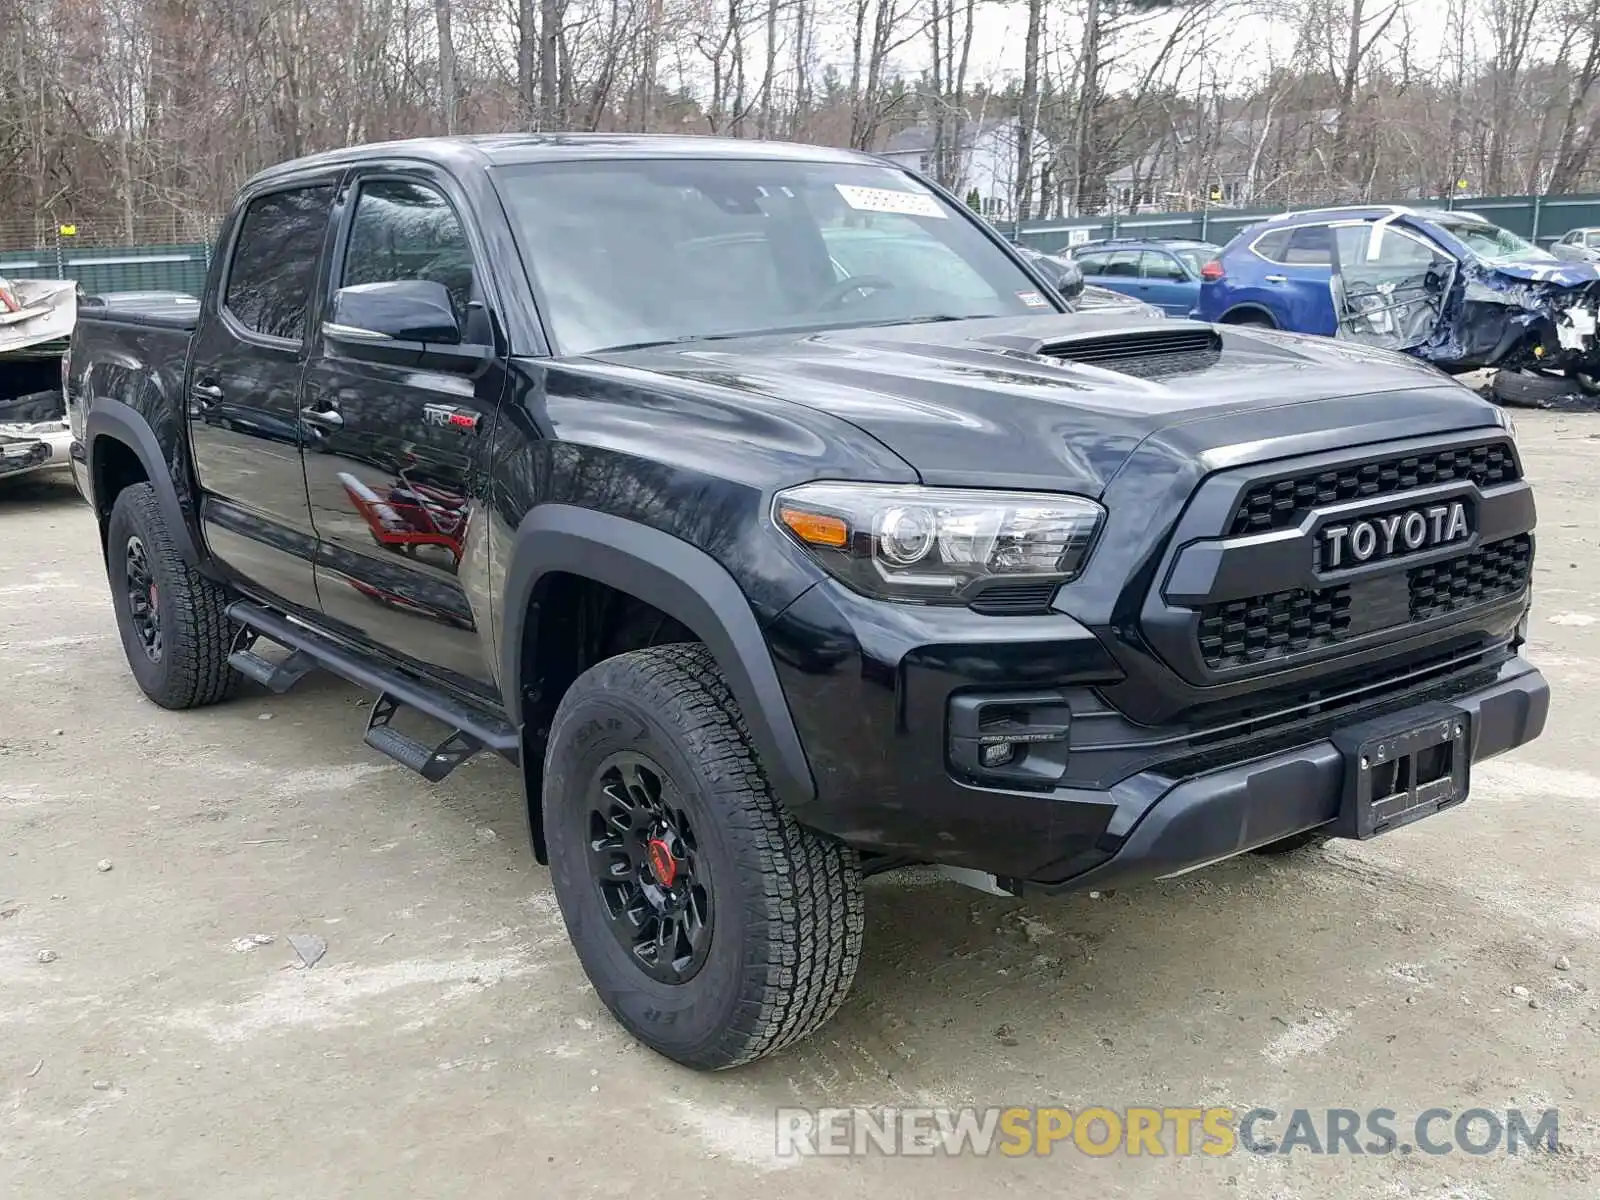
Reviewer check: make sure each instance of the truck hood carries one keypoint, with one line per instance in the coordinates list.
(1060, 402)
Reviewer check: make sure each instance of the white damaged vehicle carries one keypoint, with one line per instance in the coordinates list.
(36, 320)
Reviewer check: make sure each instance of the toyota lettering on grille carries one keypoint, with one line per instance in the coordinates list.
(1399, 533)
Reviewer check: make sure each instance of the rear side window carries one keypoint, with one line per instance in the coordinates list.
(274, 262)
(406, 230)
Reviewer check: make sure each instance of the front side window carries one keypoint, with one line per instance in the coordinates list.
(649, 251)
(1092, 264)
(1195, 257)
(1123, 264)
(407, 230)
(274, 264)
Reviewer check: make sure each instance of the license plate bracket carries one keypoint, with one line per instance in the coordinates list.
(1402, 768)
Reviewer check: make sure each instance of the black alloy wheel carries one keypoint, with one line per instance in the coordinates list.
(144, 599)
(653, 884)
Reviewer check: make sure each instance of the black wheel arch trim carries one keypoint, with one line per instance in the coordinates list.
(682, 581)
(122, 423)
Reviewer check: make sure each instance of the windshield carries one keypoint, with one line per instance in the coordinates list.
(1493, 243)
(1195, 257)
(641, 252)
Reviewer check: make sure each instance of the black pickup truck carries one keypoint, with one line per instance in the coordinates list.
(784, 527)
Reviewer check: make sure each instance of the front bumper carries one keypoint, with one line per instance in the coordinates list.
(1218, 815)
(876, 691)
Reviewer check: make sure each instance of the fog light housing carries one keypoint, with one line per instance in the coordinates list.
(1009, 739)
(997, 754)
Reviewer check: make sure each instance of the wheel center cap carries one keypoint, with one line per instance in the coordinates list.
(662, 865)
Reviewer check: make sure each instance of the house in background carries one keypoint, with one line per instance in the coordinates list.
(1236, 161)
(986, 161)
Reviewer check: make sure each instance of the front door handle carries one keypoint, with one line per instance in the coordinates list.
(324, 418)
(1276, 278)
(206, 393)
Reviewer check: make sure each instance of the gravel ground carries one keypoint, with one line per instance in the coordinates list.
(447, 1044)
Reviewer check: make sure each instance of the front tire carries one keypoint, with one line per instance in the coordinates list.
(172, 619)
(713, 926)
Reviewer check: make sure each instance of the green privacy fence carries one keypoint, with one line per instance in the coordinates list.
(182, 267)
(100, 269)
(1542, 218)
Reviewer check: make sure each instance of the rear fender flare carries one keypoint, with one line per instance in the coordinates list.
(682, 581)
(121, 423)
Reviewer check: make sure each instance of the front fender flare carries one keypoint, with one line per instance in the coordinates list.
(682, 581)
(121, 423)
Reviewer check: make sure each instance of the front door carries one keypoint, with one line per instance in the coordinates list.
(245, 362)
(394, 454)
(1390, 284)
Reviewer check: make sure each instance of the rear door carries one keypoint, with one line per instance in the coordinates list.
(394, 454)
(1294, 279)
(245, 362)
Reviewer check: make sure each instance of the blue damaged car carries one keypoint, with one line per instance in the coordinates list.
(1446, 286)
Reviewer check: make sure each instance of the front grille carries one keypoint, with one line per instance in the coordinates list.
(1272, 626)
(1496, 570)
(1283, 503)
(1262, 628)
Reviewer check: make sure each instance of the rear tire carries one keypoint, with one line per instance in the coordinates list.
(172, 619)
(663, 831)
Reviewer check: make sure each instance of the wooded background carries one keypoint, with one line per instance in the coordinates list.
(135, 120)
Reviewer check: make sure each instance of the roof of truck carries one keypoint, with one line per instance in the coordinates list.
(505, 149)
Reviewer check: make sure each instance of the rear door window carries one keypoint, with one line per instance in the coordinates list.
(1272, 245)
(1309, 246)
(274, 264)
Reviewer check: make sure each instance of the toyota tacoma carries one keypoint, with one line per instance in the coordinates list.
(783, 526)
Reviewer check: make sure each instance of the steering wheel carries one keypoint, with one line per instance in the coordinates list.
(856, 283)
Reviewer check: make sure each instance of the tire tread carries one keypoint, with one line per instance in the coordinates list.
(197, 645)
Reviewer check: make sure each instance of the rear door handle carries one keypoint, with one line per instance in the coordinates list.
(325, 418)
(206, 393)
(1276, 278)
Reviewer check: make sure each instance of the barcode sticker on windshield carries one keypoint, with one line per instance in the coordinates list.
(887, 200)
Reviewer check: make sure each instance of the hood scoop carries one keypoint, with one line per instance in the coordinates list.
(1147, 353)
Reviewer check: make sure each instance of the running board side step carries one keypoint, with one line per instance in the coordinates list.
(472, 729)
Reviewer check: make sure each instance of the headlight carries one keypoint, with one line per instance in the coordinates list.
(937, 545)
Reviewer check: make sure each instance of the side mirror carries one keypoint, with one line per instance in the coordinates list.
(402, 310)
(407, 322)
